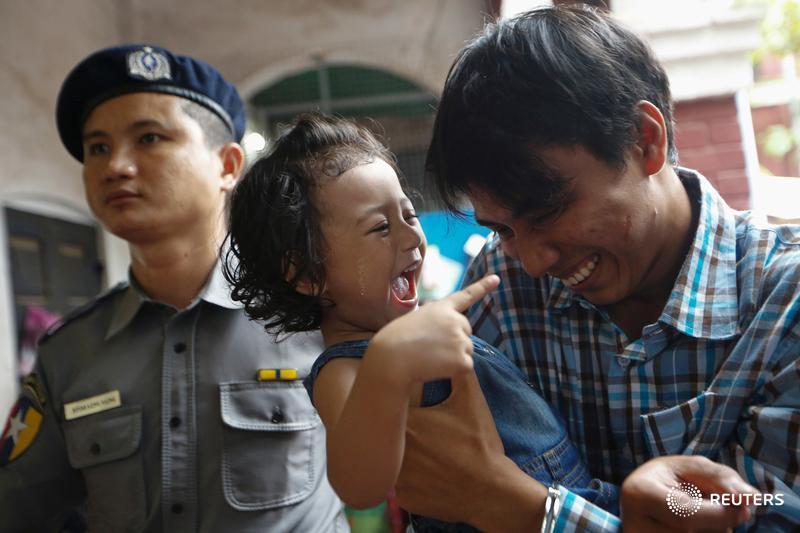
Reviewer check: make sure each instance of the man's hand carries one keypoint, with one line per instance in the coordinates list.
(433, 342)
(455, 469)
(644, 495)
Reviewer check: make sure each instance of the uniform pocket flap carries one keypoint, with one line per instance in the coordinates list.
(103, 437)
(267, 406)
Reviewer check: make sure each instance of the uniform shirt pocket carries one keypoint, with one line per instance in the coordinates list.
(104, 448)
(269, 436)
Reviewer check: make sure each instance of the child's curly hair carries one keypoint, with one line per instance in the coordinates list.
(275, 238)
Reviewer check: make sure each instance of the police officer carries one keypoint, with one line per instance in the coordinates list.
(159, 406)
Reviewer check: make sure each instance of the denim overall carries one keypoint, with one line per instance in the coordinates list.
(533, 435)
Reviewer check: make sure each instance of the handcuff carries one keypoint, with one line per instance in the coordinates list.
(552, 504)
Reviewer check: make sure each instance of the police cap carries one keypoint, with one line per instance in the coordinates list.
(134, 68)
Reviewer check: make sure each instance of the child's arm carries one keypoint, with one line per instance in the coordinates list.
(364, 403)
(365, 421)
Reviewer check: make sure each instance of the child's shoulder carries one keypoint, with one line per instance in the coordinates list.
(350, 349)
(346, 349)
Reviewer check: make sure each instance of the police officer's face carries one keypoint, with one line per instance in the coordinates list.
(147, 170)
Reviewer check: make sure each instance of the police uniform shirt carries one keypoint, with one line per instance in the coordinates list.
(154, 419)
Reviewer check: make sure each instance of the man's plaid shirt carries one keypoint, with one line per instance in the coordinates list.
(717, 375)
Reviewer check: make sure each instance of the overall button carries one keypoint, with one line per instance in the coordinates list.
(174, 422)
(180, 347)
(277, 416)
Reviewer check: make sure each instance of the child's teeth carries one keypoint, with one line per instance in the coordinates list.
(400, 287)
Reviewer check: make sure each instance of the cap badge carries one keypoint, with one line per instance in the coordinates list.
(148, 64)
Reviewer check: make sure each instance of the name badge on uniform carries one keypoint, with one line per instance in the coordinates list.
(95, 404)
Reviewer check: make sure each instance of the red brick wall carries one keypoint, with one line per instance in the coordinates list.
(709, 140)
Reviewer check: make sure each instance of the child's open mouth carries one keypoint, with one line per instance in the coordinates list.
(404, 286)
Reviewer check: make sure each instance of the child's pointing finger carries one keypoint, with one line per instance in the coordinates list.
(461, 300)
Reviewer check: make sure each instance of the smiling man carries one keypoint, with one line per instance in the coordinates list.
(662, 324)
(145, 410)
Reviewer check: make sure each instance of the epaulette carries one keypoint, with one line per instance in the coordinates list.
(82, 310)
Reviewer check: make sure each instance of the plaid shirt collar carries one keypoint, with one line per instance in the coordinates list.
(707, 279)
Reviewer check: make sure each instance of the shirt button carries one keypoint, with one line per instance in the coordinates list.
(180, 347)
(95, 449)
(623, 362)
(277, 416)
(174, 422)
(177, 508)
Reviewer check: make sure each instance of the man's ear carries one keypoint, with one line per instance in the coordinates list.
(653, 143)
(232, 157)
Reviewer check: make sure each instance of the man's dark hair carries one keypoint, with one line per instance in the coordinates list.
(215, 131)
(275, 234)
(554, 76)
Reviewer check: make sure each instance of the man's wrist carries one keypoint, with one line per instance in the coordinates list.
(517, 504)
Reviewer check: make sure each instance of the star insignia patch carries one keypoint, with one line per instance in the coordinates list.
(20, 430)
